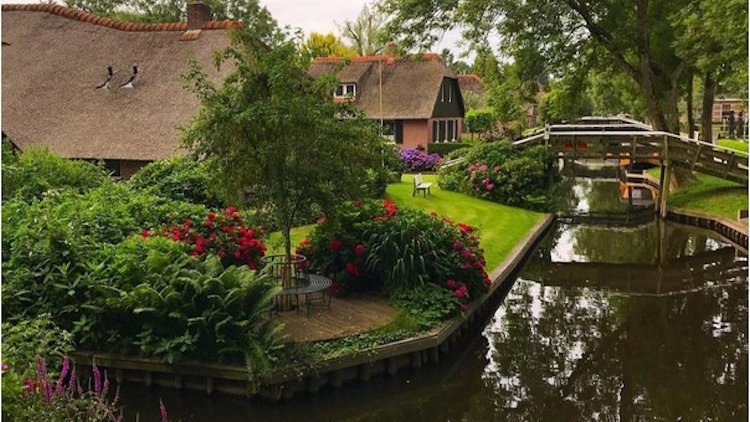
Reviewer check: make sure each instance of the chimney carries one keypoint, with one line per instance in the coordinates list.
(197, 14)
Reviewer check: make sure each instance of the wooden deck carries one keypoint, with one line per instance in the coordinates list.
(348, 315)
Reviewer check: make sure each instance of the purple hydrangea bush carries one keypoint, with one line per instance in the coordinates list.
(416, 160)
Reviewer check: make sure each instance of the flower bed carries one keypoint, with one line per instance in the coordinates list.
(416, 160)
(374, 246)
(500, 173)
(222, 234)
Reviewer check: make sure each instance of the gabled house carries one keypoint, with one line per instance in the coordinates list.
(88, 87)
(418, 99)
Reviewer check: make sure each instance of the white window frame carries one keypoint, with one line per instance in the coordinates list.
(344, 90)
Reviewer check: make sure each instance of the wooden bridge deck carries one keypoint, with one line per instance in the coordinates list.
(638, 143)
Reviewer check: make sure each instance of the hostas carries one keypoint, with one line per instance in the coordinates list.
(197, 309)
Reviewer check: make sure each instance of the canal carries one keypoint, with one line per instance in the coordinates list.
(630, 323)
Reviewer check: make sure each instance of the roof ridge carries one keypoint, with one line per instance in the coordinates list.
(80, 15)
(374, 58)
(473, 76)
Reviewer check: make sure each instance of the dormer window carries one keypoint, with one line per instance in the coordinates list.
(345, 91)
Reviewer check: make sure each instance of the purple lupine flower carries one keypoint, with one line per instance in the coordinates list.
(63, 373)
(163, 411)
(41, 368)
(106, 381)
(47, 390)
(97, 380)
(72, 381)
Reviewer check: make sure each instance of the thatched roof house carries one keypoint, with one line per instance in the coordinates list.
(417, 97)
(57, 90)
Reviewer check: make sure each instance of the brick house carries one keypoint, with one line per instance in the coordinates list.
(88, 87)
(417, 98)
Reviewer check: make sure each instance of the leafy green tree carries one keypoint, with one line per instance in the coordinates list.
(636, 35)
(278, 139)
(326, 45)
(365, 34)
(480, 120)
(612, 92)
(712, 37)
(458, 66)
(565, 101)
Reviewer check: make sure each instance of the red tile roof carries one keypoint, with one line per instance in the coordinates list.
(110, 23)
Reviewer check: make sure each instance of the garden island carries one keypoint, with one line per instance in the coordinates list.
(206, 215)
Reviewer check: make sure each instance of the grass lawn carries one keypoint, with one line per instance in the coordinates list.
(711, 195)
(501, 226)
(275, 242)
(708, 194)
(733, 144)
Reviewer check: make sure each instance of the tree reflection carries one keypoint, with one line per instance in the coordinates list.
(578, 354)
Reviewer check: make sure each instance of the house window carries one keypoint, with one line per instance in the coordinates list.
(444, 130)
(345, 91)
(394, 130)
(113, 167)
(446, 93)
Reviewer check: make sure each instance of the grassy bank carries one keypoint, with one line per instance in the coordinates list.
(710, 195)
(502, 227)
(733, 144)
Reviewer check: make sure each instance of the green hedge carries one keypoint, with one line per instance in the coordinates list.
(443, 148)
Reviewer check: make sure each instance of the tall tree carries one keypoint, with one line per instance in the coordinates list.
(636, 35)
(712, 36)
(365, 34)
(276, 137)
(458, 66)
(326, 45)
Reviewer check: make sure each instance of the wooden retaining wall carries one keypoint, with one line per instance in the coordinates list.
(362, 366)
(733, 231)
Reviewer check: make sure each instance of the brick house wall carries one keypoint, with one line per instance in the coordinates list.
(416, 133)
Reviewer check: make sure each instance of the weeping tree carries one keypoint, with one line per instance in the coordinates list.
(274, 137)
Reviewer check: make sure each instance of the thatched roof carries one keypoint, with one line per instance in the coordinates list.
(471, 82)
(410, 85)
(54, 59)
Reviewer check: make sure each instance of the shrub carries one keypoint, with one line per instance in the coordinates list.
(427, 305)
(180, 179)
(480, 120)
(49, 244)
(372, 245)
(183, 306)
(24, 340)
(222, 234)
(444, 148)
(415, 160)
(37, 171)
(499, 172)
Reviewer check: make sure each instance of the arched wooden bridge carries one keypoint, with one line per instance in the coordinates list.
(622, 138)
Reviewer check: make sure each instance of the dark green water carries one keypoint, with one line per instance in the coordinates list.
(637, 324)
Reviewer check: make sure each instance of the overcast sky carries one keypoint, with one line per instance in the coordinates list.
(318, 16)
(324, 15)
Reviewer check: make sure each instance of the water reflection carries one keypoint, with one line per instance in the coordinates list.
(574, 342)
